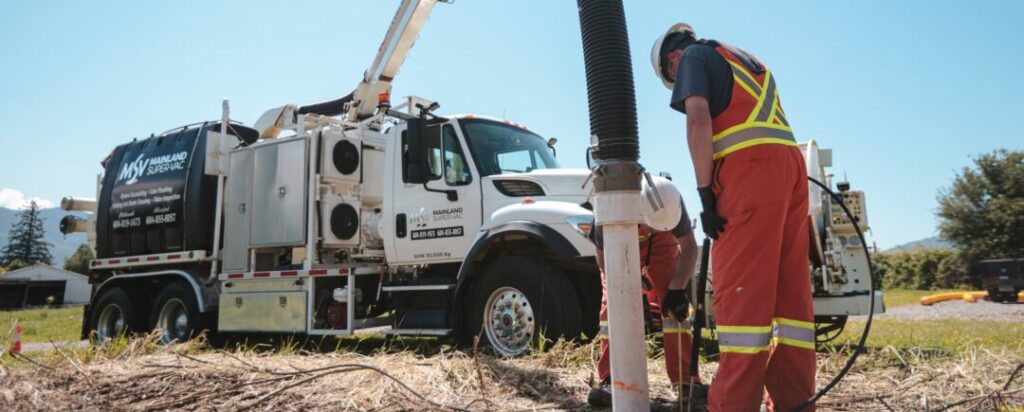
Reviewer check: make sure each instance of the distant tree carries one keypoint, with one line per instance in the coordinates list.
(26, 240)
(79, 261)
(983, 211)
(15, 265)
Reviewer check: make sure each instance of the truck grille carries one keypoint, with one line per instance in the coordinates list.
(518, 188)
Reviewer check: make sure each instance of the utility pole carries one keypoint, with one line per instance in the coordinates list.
(617, 206)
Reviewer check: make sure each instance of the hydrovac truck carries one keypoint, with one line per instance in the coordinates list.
(358, 215)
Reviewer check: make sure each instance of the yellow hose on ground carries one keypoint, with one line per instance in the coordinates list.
(942, 297)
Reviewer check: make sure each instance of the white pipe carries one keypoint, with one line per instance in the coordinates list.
(71, 203)
(225, 112)
(618, 213)
(314, 185)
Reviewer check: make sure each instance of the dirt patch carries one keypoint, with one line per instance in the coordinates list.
(455, 380)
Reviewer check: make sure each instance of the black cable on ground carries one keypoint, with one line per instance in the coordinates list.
(871, 310)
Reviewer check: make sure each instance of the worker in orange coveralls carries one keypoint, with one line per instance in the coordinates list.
(668, 252)
(753, 187)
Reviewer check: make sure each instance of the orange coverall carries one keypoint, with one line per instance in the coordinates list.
(664, 257)
(761, 281)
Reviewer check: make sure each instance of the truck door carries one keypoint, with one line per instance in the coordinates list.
(436, 221)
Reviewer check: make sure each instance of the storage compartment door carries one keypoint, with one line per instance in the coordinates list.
(279, 194)
(262, 312)
(237, 209)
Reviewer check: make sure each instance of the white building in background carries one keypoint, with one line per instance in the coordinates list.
(31, 286)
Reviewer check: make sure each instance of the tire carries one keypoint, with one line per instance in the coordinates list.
(590, 304)
(176, 314)
(527, 304)
(113, 316)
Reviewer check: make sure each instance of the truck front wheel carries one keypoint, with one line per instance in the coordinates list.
(113, 316)
(520, 304)
(176, 314)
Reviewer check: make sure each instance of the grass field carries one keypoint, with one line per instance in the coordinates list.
(909, 363)
(42, 325)
(948, 336)
(945, 337)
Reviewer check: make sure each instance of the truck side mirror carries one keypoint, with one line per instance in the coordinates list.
(551, 144)
(416, 168)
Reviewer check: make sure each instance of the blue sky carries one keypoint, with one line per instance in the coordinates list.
(903, 92)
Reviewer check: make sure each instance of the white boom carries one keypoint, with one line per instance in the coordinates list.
(401, 36)
(405, 28)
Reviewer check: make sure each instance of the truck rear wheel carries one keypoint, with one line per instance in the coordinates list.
(520, 303)
(113, 316)
(176, 314)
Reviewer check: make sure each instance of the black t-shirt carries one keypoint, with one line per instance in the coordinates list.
(703, 72)
(682, 228)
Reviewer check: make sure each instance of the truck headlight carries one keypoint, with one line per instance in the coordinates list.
(581, 224)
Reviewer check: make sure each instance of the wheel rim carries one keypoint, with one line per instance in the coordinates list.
(111, 323)
(509, 321)
(173, 322)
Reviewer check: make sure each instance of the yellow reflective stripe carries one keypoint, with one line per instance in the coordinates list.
(743, 349)
(677, 330)
(793, 342)
(794, 323)
(745, 329)
(752, 142)
(748, 125)
(760, 98)
(778, 115)
(743, 84)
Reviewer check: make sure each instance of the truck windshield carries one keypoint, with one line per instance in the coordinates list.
(500, 148)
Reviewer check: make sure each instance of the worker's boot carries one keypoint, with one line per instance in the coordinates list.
(700, 396)
(601, 395)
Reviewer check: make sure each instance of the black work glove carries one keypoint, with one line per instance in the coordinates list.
(710, 220)
(676, 304)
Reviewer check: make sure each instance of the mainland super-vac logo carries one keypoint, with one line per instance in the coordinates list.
(143, 166)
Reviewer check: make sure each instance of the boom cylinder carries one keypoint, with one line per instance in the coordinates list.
(613, 124)
(71, 224)
(72, 204)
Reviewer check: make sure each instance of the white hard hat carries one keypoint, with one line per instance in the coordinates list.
(656, 50)
(666, 217)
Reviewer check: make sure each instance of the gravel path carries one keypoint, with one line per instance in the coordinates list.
(40, 346)
(981, 310)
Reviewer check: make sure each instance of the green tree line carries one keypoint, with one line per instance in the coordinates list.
(982, 213)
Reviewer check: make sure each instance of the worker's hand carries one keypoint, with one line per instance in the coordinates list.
(710, 220)
(676, 304)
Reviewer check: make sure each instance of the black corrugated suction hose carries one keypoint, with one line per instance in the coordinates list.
(610, 93)
(862, 342)
(328, 108)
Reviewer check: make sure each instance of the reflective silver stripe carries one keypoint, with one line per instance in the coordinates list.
(747, 80)
(769, 100)
(751, 134)
(793, 332)
(782, 118)
(670, 325)
(750, 340)
(603, 332)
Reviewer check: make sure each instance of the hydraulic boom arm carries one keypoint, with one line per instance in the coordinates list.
(402, 33)
(361, 103)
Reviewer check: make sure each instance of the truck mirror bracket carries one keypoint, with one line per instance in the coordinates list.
(453, 196)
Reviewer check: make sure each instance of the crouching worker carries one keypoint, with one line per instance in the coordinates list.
(668, 253)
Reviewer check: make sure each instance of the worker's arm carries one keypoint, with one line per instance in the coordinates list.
(698, 137)
(687, 261)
